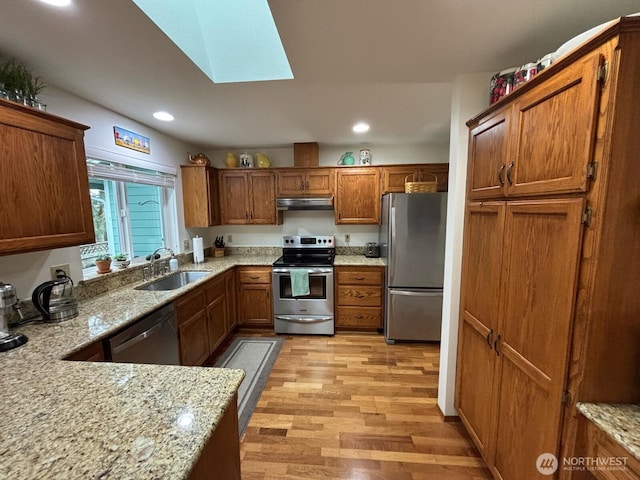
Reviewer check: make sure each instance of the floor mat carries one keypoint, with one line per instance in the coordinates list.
(256, 357)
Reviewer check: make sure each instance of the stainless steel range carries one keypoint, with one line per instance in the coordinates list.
(303, 297)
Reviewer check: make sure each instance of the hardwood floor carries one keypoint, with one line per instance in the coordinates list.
(353, 407)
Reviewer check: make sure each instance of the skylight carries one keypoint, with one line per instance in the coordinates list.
(229, 40)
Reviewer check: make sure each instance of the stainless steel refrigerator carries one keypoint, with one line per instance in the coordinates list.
(412, 240)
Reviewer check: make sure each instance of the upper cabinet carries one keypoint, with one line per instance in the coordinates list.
(249, 197)
(510, 152)
(43, 180)
(200, 196)
(357, 196)
(306, 181)
(393, 177)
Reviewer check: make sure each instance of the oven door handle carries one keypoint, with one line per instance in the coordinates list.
(311, 271)
(297, 319)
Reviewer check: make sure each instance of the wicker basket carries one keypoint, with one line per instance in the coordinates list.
(420, 187)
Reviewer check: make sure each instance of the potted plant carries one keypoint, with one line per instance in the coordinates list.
(19, 84)
(121, 261)
(103, 262)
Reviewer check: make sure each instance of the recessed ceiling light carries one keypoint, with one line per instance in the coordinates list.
(58, 3)
(164, 116)
(361, 127)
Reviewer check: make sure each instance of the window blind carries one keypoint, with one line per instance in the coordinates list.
(124, 173)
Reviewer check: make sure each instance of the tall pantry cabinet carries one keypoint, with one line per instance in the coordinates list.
(551, 259)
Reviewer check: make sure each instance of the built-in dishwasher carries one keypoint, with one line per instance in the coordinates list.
(152, 339)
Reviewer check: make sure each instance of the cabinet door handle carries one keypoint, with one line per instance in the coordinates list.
(495, 345)
(509, 173)
(500, 173)
(246, 215)
(489, 335)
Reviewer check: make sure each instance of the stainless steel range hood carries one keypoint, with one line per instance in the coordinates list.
(305, 203)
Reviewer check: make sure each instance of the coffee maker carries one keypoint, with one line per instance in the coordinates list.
(9, 304)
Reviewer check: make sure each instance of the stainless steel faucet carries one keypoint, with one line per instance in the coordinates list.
(158, 270)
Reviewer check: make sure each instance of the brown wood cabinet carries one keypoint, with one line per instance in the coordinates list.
(248, 197)
(232, 306)
(204, 318)
(255, 304)
(191, 314)
(357, 196)
(393, 177)
(547, 300)
(306, 181)
(90, 353)
(217, 311)
(306, 154)
(43, 180)
(359, 294)
(220, 457)
(200, 196)
(528, 163)
(600, 445)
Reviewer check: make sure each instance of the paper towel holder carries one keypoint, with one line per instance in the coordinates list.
(198, 250)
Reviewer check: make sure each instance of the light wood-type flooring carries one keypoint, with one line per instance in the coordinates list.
(353, 407)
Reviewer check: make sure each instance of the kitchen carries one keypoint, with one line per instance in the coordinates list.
(103, 120)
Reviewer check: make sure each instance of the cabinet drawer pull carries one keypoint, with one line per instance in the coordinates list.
(489, 335)
(359, 295)
(254, 277)
(495, 345)
(500, 173)
(358, 278)
(509, 173)
(359, 317)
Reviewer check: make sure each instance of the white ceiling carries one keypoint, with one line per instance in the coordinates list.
(388, 62)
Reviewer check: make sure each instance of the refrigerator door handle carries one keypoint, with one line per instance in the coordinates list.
(392, 245)
(416, 293)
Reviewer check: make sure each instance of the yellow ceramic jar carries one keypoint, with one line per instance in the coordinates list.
(231, 161)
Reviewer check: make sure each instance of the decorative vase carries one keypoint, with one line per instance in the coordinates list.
(231, 161)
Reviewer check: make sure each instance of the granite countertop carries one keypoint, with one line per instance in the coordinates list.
(77, 420)
(358, 260)
(80, 420)
(620, 421)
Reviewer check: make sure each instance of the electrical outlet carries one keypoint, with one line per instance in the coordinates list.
(347, 237)
(229, 238)
(185, 244)
(64, 267)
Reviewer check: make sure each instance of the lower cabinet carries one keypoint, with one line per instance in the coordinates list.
(255, 304)
(91, 353)
(204, 318)
(217, 312)
(359, 293)
(191, 314)
(220, 457)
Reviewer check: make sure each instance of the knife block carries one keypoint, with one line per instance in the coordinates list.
(218, 252)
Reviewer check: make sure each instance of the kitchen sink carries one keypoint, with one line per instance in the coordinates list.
(173, 281)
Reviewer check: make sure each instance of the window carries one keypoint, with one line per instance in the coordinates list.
(134, 211)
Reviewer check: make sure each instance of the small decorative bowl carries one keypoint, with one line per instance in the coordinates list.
(121, 263)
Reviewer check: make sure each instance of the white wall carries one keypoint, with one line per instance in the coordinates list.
(26, 271)
(470, 97)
